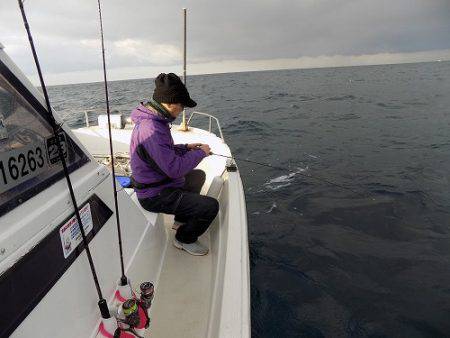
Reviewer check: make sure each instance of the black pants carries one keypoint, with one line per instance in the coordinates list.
(188, 206)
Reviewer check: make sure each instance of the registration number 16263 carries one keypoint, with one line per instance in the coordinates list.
(19, 165)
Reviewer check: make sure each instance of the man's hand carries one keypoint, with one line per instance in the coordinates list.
(193, 146)
(206, 149)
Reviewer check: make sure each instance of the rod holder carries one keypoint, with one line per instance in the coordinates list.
(103, 306)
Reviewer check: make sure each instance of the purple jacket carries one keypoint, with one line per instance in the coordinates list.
(152, 131)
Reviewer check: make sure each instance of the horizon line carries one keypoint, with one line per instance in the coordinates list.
(254, 71)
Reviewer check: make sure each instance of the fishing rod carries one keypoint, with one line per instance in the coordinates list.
(123, 278)
(56, 128)
(320, 179)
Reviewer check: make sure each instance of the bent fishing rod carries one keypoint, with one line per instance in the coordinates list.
(123, 278)
(56, 132)
(317, 178)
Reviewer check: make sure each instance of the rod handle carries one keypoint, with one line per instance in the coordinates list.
(103, 306)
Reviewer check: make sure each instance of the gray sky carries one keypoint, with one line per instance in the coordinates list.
(144, 37)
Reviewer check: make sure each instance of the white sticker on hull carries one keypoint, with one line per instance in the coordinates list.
(70, 232)
(20, 165)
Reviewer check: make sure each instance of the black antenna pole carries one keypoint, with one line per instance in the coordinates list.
(123, 279)
(56, 128)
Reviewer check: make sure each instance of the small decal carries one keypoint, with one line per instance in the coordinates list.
(52, 148)
(70, 232)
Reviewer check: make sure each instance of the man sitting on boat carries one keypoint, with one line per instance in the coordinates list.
(163, 172)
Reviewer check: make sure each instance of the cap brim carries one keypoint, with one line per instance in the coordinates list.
(190, 103)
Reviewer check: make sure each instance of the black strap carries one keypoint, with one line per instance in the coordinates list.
(145, 157)
(140, 186)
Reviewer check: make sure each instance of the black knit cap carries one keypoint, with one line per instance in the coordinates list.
(170, 89)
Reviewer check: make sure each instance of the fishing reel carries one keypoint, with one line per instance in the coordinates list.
(130, 313)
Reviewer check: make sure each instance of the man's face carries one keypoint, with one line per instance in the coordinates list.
(174, 108)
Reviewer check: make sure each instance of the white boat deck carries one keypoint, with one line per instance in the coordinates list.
(183, 298)
(191, 292)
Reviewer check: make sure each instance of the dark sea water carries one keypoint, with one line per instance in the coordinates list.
(326, 262)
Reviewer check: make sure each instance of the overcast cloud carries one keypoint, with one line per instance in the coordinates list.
(145, 37)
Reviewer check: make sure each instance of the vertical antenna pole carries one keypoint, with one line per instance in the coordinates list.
(183, 125)
(184, 45)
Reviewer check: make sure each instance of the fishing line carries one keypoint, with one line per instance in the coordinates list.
(317, 178)
(102, 302)
(123, 279)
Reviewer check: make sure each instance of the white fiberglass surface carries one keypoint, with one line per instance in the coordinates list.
(182, 302)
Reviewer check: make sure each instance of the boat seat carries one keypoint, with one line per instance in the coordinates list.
(151, 216)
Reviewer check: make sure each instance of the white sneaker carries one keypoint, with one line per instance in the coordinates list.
(195, 249)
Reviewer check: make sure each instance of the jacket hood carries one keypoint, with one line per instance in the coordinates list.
(141, 112)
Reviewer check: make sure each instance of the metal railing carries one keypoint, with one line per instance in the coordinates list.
(88, 113)
(211, 117)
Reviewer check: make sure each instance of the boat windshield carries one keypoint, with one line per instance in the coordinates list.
(29, 161)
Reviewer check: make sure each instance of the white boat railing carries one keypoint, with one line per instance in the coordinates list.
(89, 112)
(211, 117)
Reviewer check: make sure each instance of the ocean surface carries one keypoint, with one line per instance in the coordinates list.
(326, 261)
